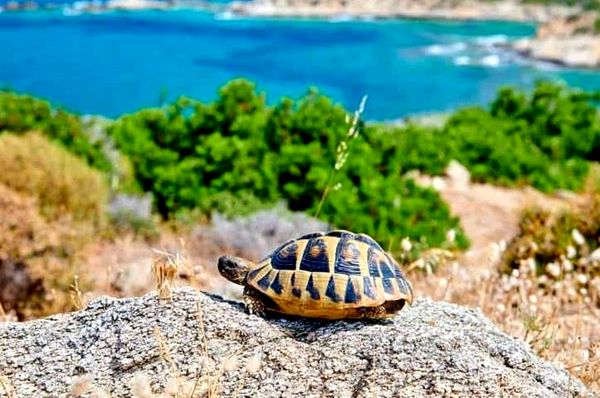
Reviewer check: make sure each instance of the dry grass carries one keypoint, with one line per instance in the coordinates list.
(563, 331)
(164, 268)
(61, 182)
(37, 257)
(7, 387)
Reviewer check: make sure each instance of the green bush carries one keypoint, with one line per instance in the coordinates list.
(238, 154)
(22, 113)
(545, 139)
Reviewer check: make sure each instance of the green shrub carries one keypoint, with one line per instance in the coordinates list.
(21, 114)
(61, 182)
(238, 154)
(545, 139)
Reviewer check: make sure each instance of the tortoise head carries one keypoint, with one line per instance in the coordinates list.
(234, 268)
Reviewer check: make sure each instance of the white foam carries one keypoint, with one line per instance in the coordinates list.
(462, 60)
(488, 41)
(225, 16)
(445, 49)
(341, 18)
(492, 60)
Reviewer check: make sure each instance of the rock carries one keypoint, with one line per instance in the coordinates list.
(459, 175)
(431, 348)
(576, 51)
(570, 26)
(570, 41)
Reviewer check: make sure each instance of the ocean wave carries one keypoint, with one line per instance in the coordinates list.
(462, 60)
(341, 18)
(226, 16)
(489, 41)
(445, 49)
(492, 61)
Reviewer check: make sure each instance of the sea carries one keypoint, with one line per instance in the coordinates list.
(113, 63)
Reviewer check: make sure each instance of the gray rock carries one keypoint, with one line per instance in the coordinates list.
(429, 349)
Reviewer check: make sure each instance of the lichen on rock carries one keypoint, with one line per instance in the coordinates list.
(431, 348)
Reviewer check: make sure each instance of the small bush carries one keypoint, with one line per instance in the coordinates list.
(560, 251)
(62, 183)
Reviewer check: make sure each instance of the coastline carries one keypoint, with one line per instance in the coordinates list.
(465, 10)
(566, 35)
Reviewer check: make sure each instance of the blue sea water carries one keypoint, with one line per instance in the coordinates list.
(117, 62)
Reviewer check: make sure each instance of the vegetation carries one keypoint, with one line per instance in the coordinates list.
(22, 113)
(238, 154)
(37, 257)
(61, 182)
(560, 250)
(545, 139)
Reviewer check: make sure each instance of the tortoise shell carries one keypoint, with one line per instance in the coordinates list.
(330, 275)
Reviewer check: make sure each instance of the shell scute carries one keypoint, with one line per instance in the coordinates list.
(341, 233)
(316, 256)
(286, 257)
(311, 235)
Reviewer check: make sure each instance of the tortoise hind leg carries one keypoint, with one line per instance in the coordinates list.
(253, 301)
(378, 312)
(392, 307)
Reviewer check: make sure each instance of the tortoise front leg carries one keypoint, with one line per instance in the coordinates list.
(254, 303)
(378, 312)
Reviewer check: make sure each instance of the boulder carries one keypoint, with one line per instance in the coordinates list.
(458, 175)
(429, 349)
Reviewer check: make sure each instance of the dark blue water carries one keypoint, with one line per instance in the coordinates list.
(114, 63)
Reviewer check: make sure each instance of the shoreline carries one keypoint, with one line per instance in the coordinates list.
(465, 10)
(566, 35)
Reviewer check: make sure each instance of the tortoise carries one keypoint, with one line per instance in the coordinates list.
(333, 275)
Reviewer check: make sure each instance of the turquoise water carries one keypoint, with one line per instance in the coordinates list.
(113, 63)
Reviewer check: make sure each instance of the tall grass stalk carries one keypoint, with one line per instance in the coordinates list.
(342, 152)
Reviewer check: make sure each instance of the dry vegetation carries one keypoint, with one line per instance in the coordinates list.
(51, 207)
(37, 257)
(42, 245)
(62, 182)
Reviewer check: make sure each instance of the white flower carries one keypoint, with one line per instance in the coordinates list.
(451, 235)
(406, 245)
(571, 252)
(553, 269)
(567, 265)
(577, 237)
(581, 279)
(530, 265)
